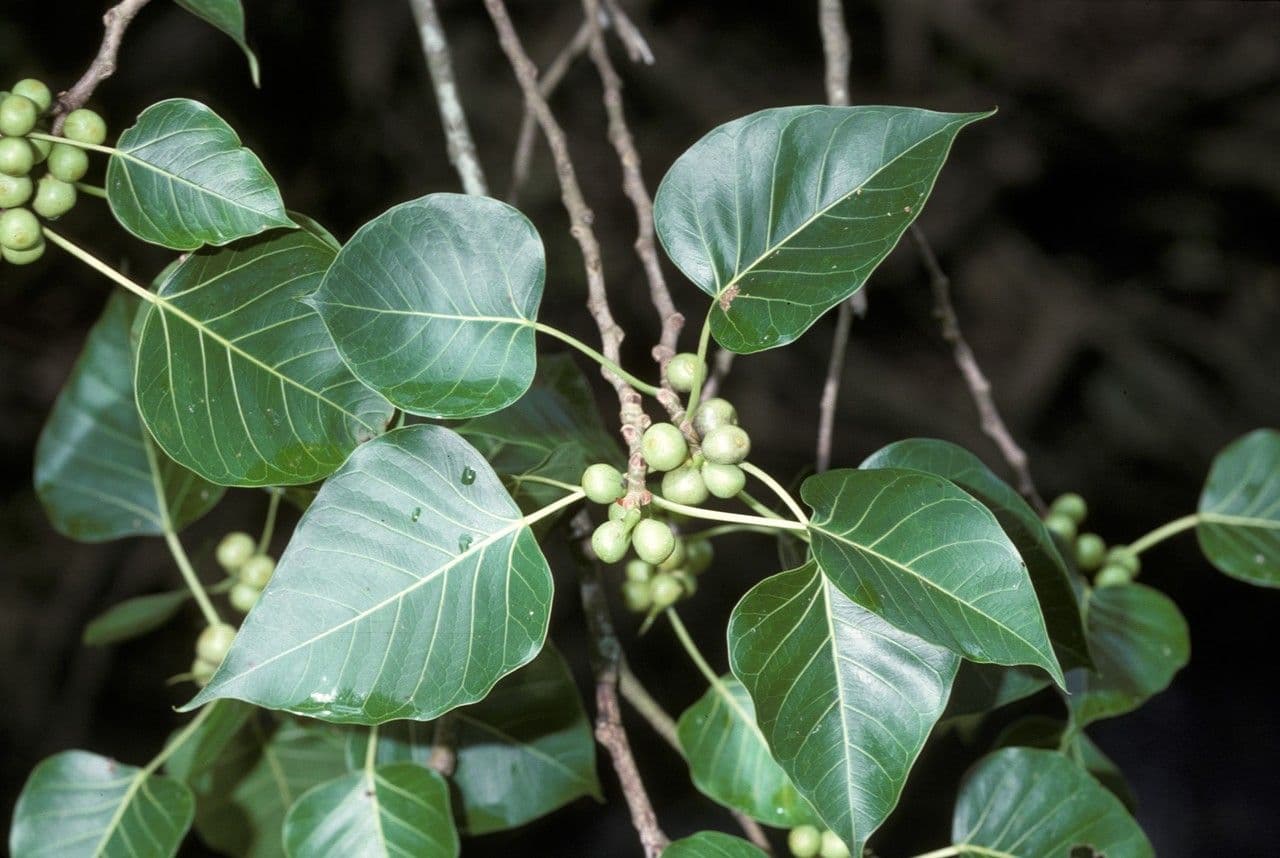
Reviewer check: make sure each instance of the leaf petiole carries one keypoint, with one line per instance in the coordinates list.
(268, 527)
(91, 190)
(704, 340)
(1160, 534)
(777, 489)
(93, 147)
(729, 517)
(642, 386)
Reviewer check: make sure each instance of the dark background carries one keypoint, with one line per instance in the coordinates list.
(1112, 238)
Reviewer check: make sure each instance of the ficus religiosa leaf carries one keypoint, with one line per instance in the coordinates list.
(179, 178)
(1139, 640)
(1038, 731)
(782, 214)
(712, 844)
(80, 804)
(1239, 527)
(844, 699)
(411, 585)
(1048, 570)
(134, 617)
(982, 687)
(237, 378)
(1030, 803)
(433, 304)
(227, 16)
(97, 473)
(929, 558)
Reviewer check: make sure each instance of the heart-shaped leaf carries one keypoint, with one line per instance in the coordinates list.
(1139, 641)
(844, 699)
(237, 378)
(929, 558)
(554, 431)
(179, 178)
(227, 16)
(1048, 571)
(411, 586)
(525, 750)
(433, 304)
(1239, 527)
(396, 809)
(730, 760)
(1037, 731)
(97, 474)
(783, 214)
(133, 617)
(712, 844)
(80, 804)
(1028, 803)
(245, 784)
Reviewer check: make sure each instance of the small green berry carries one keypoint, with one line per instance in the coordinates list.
(67, 162)
(1112, 576)
(234, 549)
(202, 671)
(40, 148)
(609, 541)
(14, 190)
(638, 570)
(19, 229)
(688, 583)
(627, 516)
(54, 197)
(214, 642)
(23, 257)
(653, 541)
(664, 447)
(698, 555)
(685, 371)
(684, 485)
(256, 571)
(713, 413)
(636, 595)
(37, 91)
(18, 115)
(804, 841)
(724, 481)
(833, 846)
(16, 156)
(1090, 551)
(243, 597)
(1061, 526)
(1071, 505)
(726, 445)
(664, 591)
(84, 126)
(603, 483)
(676, 559)
(1123, 557)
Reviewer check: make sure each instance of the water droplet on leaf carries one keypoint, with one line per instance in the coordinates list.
(416, 514)
(468, 476)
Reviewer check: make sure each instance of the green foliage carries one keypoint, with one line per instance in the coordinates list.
(1239, 527)
(712, 844)
(227, 16)
(134, 617)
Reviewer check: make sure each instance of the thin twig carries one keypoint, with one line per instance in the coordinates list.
(979, 387)
(462, 148)
(831, 386)
(606, 658)
(634, 692)
(631, 414)
(634, 187)
(637, 48)
(720, 368)
(115, 22)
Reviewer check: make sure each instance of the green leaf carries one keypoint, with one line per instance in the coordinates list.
(1028, 803)
(783, 214)
(202, 750)
(1038, 731)
(227, 16)
(932, 560)
(980, 688)
(133, 618)
(249, 783)
(80, 804)
(730, 760)
(433, 304)
(1048, 571)
(844, 699)
(1239, 527)
(411, 586)
(525, 750)
(96, 473)
(1139, 641)
(400, 808)
(237, 378)
(712, 844)
(179, 178)
(554, 431)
